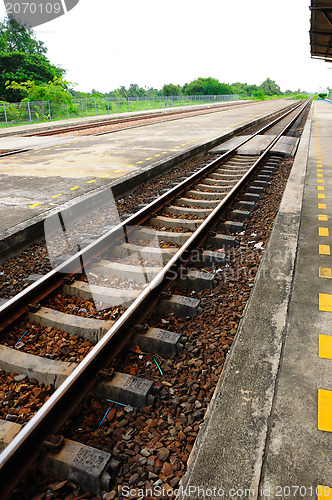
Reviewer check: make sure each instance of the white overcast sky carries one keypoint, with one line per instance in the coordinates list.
(104, 44)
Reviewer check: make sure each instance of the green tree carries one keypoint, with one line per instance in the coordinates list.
(15, 37)
(152, 92)
(55, 90)
(76, 94)
(244, 89)
(135, 90)
(19, 67)
(122, 92)
(95, 94)
(171, 89)
(258, 95)
(207, 86)
(270, 87)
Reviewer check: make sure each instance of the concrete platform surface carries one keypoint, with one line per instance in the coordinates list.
(268, 433)
(62, 170)
(72, 122)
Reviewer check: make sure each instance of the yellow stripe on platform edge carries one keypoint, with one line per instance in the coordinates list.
(324, 410)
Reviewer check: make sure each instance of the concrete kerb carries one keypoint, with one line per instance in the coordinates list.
(18, 237)
(230, 449)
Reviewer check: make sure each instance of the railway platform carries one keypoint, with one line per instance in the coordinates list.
(268, 430)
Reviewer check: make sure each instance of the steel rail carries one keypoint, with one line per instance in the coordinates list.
(13, 152)
(34, 293)
(25, 447)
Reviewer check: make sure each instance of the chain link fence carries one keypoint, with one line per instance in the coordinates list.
(22, 113)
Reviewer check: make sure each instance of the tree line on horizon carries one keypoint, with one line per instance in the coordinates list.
(200, 86)
(26, 74)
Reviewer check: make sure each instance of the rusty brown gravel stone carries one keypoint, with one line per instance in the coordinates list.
(188, 380)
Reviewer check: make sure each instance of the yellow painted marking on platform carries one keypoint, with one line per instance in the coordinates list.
(26, 154)
(73, 188)
(323, 231)
(90, 182)
(38, 151)
(57, 195)
(324, 410)
(320, 175)
(320, 181)
(130, 166)
(183, 144)
(324, 250)
(325, 302)
(157, 155)
(322, 205)
(319, 170)
(146, 159)
(323, 491)
(325, 272)
(57, 146)
(34, 205)
(13, 157)
(140, 162)
(325, 346)
(322, 217)
(106, 175)
(120, 170)
(164, 152)
(321, 196)
(320, 188)
(171, 150)
(48, 149)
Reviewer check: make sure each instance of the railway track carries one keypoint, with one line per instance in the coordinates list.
(92, 129)
(152, 248)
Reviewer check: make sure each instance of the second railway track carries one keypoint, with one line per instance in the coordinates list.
(129, 269)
